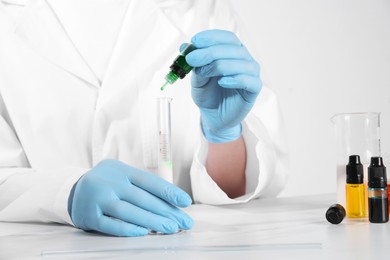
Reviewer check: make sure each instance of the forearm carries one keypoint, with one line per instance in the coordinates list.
(226, 164)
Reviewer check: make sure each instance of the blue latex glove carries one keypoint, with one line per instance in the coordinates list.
(117, 199)
(225, 83)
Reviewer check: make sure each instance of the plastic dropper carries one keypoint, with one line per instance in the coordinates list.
(179, 67)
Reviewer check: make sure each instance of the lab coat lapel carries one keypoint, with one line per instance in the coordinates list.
(41, 29)
(147, 36)
(146, 45)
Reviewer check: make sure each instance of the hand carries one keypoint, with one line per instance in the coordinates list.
(117, 199)
(225, 83)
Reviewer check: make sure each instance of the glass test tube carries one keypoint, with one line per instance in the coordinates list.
(165, 167)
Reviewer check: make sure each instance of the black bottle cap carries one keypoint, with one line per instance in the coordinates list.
(377, 173)
(335, 214)
(178, 70)
(355, 173)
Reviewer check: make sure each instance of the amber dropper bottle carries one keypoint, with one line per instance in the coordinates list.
(378, 209)
(355, 195)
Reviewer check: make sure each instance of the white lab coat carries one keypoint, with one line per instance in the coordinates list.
(57, 120)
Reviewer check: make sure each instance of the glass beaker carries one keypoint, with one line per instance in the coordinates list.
(356, 134)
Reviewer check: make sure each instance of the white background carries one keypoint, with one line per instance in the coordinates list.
(321, 57)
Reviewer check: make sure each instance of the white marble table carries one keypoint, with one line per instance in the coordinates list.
(282, 228)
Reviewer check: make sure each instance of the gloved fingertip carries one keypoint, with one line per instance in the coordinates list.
(188, 223)
(191, 59)
(183, 46)
(170, 227)
(176, 196)
(200, 42)
(184, 200)
(193, 40)
(140, 231)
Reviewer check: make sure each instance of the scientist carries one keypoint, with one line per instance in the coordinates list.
(78, 87)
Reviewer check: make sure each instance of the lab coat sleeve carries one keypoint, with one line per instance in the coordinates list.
(266, 166)
(25, 193)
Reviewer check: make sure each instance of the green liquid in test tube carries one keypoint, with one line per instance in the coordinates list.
(179, 67)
